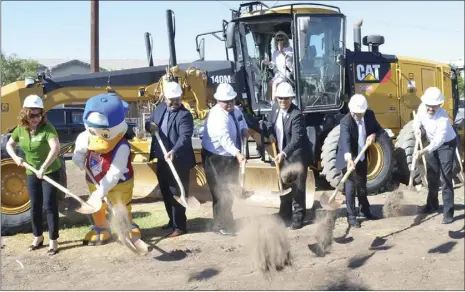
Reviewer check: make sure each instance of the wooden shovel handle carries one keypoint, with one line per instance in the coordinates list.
(278, 171)
(173, 170)
(349, 171)
(422, 157)
(55, 184)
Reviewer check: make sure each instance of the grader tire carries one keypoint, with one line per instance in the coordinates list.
(403, 154)
(16, 206)
(380, 162)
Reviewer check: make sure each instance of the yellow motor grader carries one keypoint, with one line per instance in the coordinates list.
(325, 74)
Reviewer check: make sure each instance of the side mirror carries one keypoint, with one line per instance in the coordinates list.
(201, 49)
(230, 30)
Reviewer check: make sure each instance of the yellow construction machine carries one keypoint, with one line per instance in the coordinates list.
(325, 74)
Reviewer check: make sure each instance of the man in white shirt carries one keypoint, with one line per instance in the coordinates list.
(357, 128)
(223, 131)
(433, 121)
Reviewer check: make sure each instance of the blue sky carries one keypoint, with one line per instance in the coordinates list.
(61, 29)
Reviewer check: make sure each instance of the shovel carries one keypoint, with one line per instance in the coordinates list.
(245, 194)
(85, 207)
(422, 157)
(278, 171)
(329, 203)
(137, 246)
(193, 202)
(459, 161)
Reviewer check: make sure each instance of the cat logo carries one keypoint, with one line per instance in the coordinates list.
(368, 72)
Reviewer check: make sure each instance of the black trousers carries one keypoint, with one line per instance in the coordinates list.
(222, 173)
(169, 187)
(356, 186)
(44, 197)
(293, 205)
(439, 171)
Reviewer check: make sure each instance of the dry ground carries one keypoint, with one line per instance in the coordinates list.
(403, 253)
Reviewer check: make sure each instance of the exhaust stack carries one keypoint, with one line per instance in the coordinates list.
(148, 48)
(171, 34)
(358, 36)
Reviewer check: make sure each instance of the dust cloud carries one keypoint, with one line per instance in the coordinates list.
(265, 240)
(326, 221)
(290, 171)
(119, 220)
(394, 205)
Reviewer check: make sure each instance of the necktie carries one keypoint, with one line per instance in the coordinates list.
(164, 124)
(238, 133)
(361, 139)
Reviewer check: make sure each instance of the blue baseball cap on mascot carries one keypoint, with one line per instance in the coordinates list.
(104, 118)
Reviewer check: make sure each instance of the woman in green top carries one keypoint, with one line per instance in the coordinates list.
(39, 141)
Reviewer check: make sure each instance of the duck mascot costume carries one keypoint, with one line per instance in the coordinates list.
(102, 149)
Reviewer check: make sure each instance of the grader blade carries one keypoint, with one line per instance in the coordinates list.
(262, 182)
(145, 180)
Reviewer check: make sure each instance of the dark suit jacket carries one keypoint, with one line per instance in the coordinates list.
(295, 141)
(179, 138)
(348, 137)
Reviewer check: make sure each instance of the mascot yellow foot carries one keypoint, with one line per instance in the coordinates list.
(100, 233)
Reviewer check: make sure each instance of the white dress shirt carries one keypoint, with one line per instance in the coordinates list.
(362, 137)
(219, 132)
(437, 127)
(279, 127)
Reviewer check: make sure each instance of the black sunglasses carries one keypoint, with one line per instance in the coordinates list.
(282, 98)
(33, 116)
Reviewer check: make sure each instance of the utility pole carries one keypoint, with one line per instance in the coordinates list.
(94, 37)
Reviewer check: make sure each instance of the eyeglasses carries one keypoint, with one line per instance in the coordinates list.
(282, 98)
(35, 116)
(280, 40)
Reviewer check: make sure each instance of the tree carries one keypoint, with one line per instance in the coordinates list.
(14, 68)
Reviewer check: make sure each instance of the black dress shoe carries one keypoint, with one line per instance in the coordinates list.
(447, 220)
(354, 223)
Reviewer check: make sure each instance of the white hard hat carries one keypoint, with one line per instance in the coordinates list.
(172, 90)
(225, 92)
(432, 96)
(284, 89)
(33, 101)
(358, 104)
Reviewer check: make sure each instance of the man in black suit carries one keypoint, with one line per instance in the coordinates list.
(176, 126)
(286, 127)
(357, 128)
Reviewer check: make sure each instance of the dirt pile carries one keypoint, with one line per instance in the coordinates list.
(326, 221)
(265, 239)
